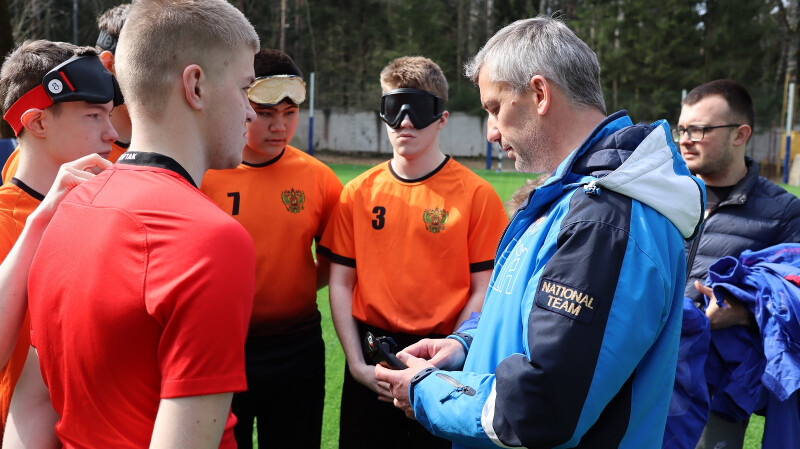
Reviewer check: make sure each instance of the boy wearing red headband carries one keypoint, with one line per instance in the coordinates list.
(110, 24)
(57, 97)
(283, 197)
(412, 245)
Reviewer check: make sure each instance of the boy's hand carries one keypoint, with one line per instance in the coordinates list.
(398, 380)
(69, 176)
(365, 375)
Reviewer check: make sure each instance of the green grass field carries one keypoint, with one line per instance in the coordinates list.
(505, 184)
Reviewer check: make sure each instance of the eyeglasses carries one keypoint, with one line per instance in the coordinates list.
(421, 107)
(697, 133)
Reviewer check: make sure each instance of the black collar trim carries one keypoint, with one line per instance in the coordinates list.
(27, 189)
(435, 170)
(150, 159)
(269, 162)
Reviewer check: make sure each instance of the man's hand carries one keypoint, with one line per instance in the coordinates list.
(735, 314)
(69, 176)
(398, 380)
(443, 353)
(365, 375)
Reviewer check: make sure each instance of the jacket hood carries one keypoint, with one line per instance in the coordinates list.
(641, 162)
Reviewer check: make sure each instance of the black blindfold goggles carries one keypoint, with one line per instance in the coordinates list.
(422, 107)
(80, 78)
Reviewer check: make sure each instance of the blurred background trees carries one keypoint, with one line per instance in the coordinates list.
(649, 51)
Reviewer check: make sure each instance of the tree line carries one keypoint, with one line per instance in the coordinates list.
(649, 51)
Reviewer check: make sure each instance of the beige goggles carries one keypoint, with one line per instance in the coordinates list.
(271, 90)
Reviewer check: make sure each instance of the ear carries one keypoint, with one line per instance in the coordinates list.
(443, 119)
(33, 122)
(742, 135)
(107, 58)
(542, 94)
(193, 81)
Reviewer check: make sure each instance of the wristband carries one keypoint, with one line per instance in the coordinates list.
(462, 337)
(417, 379)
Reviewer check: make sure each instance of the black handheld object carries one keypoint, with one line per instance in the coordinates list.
(382, 349)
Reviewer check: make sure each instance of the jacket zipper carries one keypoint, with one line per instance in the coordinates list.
(696, 241)
(460, 388)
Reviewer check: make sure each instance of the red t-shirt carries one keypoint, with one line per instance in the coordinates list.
(142, 291)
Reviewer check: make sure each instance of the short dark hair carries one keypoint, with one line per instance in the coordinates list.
(111, 21)
(736, 95)
(269, 62)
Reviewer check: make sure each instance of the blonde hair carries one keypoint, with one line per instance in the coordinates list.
(415, 72)
(162, 37)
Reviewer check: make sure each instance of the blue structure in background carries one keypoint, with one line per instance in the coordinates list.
(6, 148)
(488, 155)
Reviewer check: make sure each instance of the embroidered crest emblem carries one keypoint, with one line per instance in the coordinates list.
(435, 219)
(293, 200)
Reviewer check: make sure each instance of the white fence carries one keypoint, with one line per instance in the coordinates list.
(341, 131)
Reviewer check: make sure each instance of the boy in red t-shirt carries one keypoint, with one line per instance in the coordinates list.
(143, 292)
(109, 24)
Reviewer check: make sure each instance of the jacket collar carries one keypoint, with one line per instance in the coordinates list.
(742, 188)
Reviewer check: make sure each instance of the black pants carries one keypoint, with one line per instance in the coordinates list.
(365, 422)
(285, 393)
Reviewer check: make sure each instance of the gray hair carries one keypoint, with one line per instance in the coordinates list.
(542, 46)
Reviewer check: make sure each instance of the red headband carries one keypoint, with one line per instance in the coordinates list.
(88, 81)
(35, 98)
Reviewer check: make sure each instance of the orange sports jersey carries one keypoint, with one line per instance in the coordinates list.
(17, 202)
(117, 148)
(10, 167)
(284, 204)
(414, 244)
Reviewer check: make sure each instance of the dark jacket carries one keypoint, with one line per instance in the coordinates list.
(757, 214)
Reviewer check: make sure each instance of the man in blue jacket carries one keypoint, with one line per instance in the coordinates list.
(743, 211)
(577, 343)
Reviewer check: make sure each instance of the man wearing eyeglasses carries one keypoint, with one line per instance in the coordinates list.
(743, 211)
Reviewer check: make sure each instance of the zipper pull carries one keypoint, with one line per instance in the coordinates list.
(591, 188)
(459, 387)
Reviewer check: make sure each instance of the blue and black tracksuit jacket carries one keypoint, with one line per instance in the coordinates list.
(578, 338)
